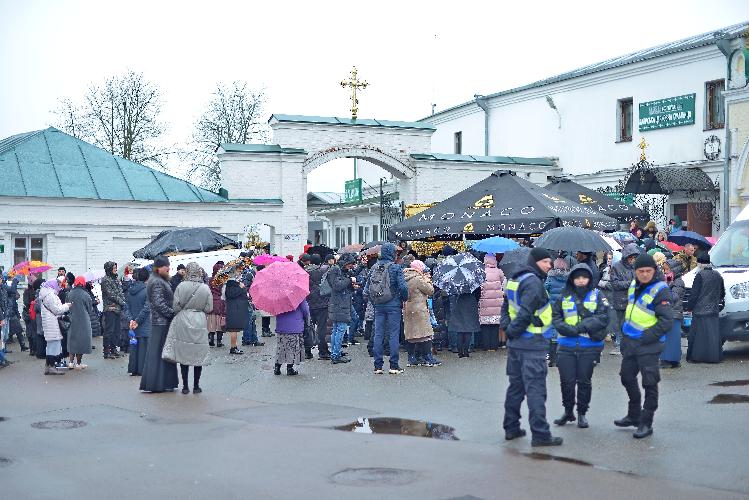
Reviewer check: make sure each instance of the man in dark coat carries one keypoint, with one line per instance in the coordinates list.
(649, 316)
(113, 301)
(177, 278)
(318, 304)
(621, 276)
(339, 307)
(707, 295)
(526, 319)
(388, 315)
(237, 312)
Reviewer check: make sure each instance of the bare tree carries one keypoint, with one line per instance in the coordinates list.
(233, 115)
(121, 115)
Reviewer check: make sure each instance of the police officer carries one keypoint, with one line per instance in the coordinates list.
(580, 317)
(649, 316)
(526, 318)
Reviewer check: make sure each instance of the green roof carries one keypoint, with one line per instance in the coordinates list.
(52, 164)
(260, 148)
(505, 160)
(364, 122)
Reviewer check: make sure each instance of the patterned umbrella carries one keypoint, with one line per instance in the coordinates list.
(461, 273)
(30, 267)
(280, 287)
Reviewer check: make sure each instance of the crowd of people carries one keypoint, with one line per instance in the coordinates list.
(556, 310)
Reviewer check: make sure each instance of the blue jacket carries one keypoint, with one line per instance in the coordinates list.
(397, 280)
(555, 283)
(590, 330)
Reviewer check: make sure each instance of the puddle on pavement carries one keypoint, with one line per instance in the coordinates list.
(400, 426)
(374, 476)
(58, 424)
(731, 383)
(543, 456)
(726, 399)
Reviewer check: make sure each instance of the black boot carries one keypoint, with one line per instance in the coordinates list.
(277, 369)
(219, 337)
(645, 428)
(308, 353)
(567, 417)
(211, 339)
(549, 441)
(290, 370)
(628, 421)
(582, 421)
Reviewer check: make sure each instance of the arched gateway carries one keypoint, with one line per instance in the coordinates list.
(276, 174)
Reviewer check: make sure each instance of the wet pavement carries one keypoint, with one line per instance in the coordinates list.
(426, 433)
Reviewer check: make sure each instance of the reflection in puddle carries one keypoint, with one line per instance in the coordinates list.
(725, 399)
(400, 426)
(543, 456)
(731, 383)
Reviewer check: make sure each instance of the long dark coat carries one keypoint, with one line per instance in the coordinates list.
(79, 333)
(237, 306)
(464, 312)
(339, 307)
(708, 291)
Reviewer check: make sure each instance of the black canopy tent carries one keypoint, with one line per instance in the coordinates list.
(667, 180)
(501, 204)
(197, 239)
(598, 201)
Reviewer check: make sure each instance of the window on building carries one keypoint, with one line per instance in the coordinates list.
(350, 238)
(624, 120)
(361, 235)
(375, 232)
(458, 143)
(27, 248)
(338, 237)
(714, 104)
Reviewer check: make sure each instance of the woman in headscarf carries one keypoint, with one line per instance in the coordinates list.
(137, 302)
(290, 346)
(217, 317)
(51, 309)
(671, 355)
(79, 333)
(416, 318)
(237, 311)
(192, 301)
(490, 303)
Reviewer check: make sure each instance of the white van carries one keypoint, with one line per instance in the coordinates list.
(730, 257)
(206, 260)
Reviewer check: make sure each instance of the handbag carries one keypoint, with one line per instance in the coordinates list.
(167, 354)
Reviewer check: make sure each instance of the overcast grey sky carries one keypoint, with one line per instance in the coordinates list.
(413, 53)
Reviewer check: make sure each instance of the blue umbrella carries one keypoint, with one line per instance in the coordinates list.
(495, 244)
(684, 237)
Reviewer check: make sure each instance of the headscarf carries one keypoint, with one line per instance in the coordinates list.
(418, 265)
(193, 272)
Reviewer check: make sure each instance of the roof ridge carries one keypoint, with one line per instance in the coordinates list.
(19, 139)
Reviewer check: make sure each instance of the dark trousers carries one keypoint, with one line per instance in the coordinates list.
(489, 337)
(265, 324)
(319, 318)
(368, 325)
(576, 369)
(647, 366)
(464, 341)
(527, 372)
(111, 330)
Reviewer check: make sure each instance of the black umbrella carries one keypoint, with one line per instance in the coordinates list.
(598, 201)
(374, 244)
(320, 250)
(572, 239)
(501, 204)
(457, 274)
(513, 260)
(192, 240)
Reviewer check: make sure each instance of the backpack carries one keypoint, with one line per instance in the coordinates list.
(380, 291)
(325, 288)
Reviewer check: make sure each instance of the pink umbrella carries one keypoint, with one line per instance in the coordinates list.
(263, 260)
(280, 287)
(712, 239)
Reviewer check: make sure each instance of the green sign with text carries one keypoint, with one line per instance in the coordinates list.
(353, 191)
(666, 113)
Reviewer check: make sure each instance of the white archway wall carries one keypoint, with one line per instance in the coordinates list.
(400, 166)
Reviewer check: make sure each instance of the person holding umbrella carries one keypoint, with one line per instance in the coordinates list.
(580, 318)
(526, 319)
(290, 346)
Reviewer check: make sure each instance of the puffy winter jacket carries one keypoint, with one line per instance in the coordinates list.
(314, 299)
(339, 307)
(51, 309)
(555, 283)
(160, 300)
(492, 293)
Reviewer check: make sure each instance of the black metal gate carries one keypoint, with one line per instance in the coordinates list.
(391, 209)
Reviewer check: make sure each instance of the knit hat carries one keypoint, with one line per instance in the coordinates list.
(160, 261)
(180, 267)
(539, 254)
(418, 265)
(79, 281)
(645, 260)
(703, 258)
(659, 258)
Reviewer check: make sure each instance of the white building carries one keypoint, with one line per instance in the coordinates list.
(593, 118)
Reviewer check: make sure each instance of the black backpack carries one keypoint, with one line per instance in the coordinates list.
(380, 291)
